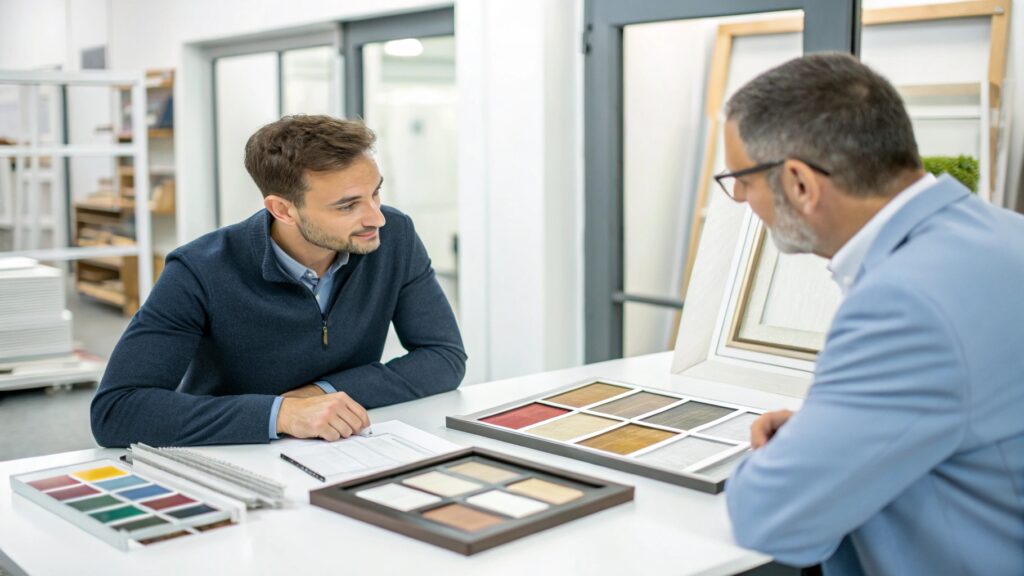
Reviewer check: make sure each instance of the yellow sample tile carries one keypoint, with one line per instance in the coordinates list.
(484, 472)
(549, 492)
(572, 426)
(588, 394)
(99, 473)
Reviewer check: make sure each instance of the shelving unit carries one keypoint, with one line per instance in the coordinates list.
(32, 206)
(105, 218)
(103, 250)
(7, 208)
(111, 279)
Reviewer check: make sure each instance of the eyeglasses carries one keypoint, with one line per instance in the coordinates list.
(727, 180)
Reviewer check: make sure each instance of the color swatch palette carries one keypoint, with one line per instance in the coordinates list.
(471, 500)
(688, 441)
(120, 506)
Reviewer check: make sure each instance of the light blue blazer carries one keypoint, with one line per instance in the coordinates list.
(908, 454)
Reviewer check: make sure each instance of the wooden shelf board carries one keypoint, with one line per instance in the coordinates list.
(937, 90)
(100, 293)
(153, 170)
(155, 133)
(108, 262)
(104, 210)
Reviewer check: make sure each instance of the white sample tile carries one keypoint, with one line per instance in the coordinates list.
(684, 453)
(722, 469)
(441, 484)
(737, 428)
(398, 497)
(507, 504)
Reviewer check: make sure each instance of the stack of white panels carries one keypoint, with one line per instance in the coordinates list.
(33, 321)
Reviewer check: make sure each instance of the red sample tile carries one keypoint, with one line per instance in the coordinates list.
(167, 502)
(524, 416)
(74, 492)
(51, 483)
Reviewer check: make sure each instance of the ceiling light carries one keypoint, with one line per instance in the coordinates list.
(405, 48)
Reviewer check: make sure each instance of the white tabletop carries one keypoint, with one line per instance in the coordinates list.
(667, 529)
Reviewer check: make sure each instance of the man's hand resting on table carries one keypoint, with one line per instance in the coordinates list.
(307, 412)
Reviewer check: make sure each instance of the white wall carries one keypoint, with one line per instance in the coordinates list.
(88, 107)
(563, 185)
(473, 175)
(87, 28)
(530, 156)
(33, 33)
(519, 162)
(151, 33)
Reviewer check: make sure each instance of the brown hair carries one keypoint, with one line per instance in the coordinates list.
(278, 155)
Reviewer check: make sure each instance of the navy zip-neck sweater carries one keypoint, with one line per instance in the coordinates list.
(225, 331)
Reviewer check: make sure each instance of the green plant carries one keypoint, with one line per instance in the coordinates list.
(963, 168)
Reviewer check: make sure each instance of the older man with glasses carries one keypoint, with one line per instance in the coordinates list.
(908, 454)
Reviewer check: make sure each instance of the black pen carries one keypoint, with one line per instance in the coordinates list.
(303, 468)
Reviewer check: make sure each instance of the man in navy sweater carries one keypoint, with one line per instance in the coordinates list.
(276, 325)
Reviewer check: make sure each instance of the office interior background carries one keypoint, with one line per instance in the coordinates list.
(484, 138)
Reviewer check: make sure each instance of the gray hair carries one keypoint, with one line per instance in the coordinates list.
(833, 111)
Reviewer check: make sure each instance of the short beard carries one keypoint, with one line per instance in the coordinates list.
(789, 233)
(317, 237)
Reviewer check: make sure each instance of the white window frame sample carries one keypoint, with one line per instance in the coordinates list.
(138, 150)
(701, 350)
(781, 346)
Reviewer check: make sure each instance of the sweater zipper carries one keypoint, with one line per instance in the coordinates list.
(323, 316)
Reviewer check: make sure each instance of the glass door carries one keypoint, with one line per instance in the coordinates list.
(402, 82)
(254, 89)
(657, 76)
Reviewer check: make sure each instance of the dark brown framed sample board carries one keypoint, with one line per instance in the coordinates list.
(672, 437)
(470, 500)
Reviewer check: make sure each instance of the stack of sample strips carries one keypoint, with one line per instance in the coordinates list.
(210, 474)
(33, 321)
(35, 329)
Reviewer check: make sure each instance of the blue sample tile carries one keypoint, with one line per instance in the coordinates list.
(122, 482)
(144, 492)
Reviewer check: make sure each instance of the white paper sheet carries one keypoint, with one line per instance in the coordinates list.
(392, 443)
